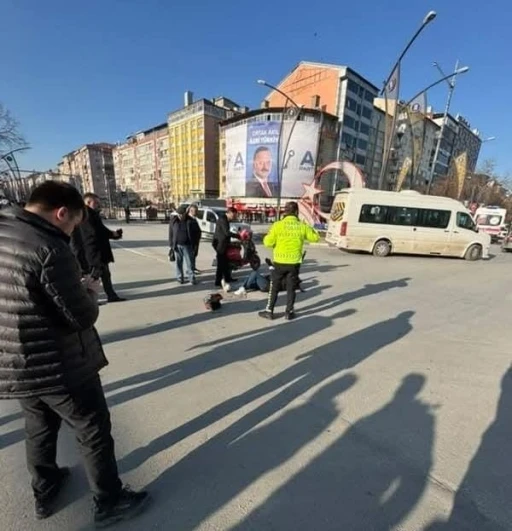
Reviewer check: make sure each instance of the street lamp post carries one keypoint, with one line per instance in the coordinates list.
(451, 83)
(282, 161)
(429, 17)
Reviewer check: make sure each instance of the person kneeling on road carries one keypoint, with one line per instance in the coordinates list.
(286, 238)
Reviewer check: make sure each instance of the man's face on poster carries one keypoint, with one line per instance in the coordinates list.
(262, 164)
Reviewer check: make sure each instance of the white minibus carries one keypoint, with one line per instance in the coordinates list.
(405, 222)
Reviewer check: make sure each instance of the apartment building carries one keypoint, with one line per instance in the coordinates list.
(194, 146)
(93, 164)
(142, 166)
(338, 90)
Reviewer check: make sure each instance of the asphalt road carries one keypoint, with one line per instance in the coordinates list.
(384, 406)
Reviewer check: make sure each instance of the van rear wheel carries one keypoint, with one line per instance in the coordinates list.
(382, 248)
(474, 253)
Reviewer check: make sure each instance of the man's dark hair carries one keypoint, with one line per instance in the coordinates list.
(52, 195)
(233, 210)
(90, 195)
(291, 208)
(259, 150)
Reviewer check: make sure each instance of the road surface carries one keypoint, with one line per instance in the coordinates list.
(385, 405)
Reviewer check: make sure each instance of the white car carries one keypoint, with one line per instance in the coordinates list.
(207, 218)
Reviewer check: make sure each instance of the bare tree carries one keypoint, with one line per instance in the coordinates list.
(487, 167)
(10, 137)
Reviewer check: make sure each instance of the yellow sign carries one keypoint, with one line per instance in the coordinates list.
(337, 211)
(404, 171)
(460, 165)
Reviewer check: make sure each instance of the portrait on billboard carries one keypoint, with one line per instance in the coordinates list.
(261, 178)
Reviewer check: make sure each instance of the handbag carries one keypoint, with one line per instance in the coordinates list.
(172, 255)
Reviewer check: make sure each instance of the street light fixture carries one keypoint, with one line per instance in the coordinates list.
(427, 19)
(450, 79)
(281, 163)
(272, 87)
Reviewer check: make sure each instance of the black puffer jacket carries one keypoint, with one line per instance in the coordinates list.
(47, 339)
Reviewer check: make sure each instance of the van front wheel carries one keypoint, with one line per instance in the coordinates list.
(474, 253)
(382, 248)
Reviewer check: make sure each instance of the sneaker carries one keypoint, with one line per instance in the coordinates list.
(45, 506)
(241, 291)
(226, 286)
(180, 281)
(197, 272)
(129, 505)
(289, 316)
(266, 314)
(193, 282)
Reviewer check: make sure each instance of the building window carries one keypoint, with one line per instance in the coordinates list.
(362, 144)
(367, 113)
(360, 159)
(368, 96)
(348, 139)
(365, 129)
(352, 86)
(351, 104)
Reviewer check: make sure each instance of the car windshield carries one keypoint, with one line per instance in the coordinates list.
(489, 219)
(219, 210)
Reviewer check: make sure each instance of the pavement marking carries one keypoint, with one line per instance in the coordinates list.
(140, 253)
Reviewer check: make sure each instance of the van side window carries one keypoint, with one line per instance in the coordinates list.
(402, 216)
(200, 213)
(373, 214)
(211, 217)
(465, 221)
(437, 219)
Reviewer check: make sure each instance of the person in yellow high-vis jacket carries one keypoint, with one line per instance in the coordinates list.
(286, 237)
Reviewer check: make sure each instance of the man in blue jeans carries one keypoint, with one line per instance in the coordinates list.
(184, 236)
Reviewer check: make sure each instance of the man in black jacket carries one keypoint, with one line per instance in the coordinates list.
(184, 236)
(91, 245)
(221, 239)
(50, 353)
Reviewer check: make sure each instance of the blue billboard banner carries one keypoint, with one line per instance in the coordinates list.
(262, 159)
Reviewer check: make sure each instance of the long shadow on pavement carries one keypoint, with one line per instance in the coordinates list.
(251, 346)
(212, 475)
(238, 306)
(483, 499)
(368, 479)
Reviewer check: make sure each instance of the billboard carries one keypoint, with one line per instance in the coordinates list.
(255, 154)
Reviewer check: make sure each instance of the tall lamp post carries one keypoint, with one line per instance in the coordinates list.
(429, 17)
(451, 83)
(282, 162)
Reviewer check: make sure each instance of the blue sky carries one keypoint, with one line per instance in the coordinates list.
(97, 71)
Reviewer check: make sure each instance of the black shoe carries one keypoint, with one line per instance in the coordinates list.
(45, 506)
(197, 272)
(218, 286)
(117, 298)
(265, 314)
(289, 316)
(129, 505)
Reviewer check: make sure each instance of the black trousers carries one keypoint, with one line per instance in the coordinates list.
(106, 281)
(85, 410)
(223, 271)
(288, 275)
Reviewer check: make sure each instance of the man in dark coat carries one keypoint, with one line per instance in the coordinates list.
(91, 245)
(50, 353)
(184, 236)
(221, 239)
